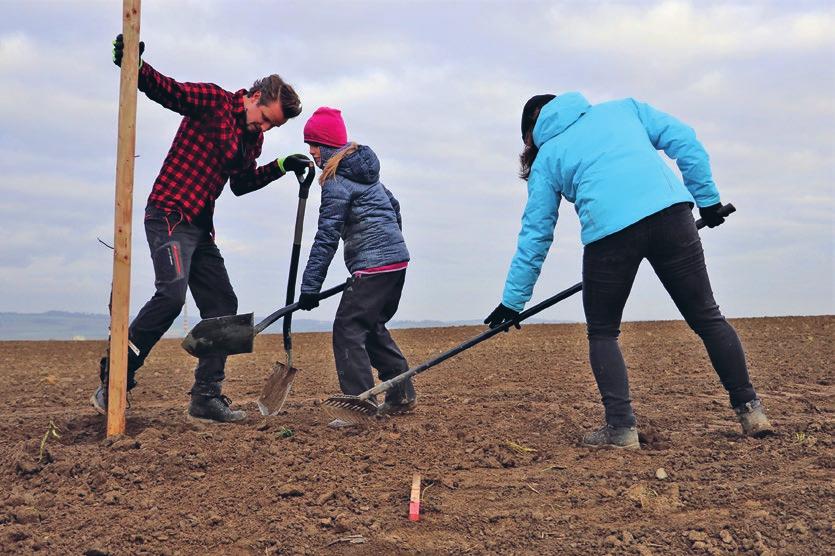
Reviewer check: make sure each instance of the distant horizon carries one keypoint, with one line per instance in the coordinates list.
(61, 327)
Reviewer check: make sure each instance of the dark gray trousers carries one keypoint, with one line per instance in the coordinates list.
(184, 256)
(360, 337)
(670, 242)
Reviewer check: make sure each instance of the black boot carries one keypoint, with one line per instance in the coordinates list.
(210, 406)
(399, 400)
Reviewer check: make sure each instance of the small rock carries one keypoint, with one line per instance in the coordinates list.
(726, 536)
(26, 514)
(697, 536)
(96, 552)
(699, 545)
(215, 519)
(661, 474)
(627, 537)
(263, 425)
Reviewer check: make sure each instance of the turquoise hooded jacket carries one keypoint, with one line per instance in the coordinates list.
(604, 159)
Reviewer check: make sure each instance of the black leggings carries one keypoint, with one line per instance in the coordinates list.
(669, 240)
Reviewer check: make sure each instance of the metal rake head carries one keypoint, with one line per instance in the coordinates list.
(350, 409)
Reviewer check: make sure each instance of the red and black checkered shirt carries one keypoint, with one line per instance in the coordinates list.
(211, 146)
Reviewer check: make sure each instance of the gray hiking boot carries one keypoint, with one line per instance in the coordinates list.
(399, 400)
(99, 399)
(753, 419)
(613, 437)
(213, 409)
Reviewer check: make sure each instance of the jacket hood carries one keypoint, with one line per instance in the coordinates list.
(361, 166)
(558, 115)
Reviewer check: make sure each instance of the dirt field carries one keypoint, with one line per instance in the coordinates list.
(495, 438)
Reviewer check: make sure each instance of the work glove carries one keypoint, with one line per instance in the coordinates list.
(501, 315)
(119, 49)
(711, 215)
(308, 301)
(297, 163)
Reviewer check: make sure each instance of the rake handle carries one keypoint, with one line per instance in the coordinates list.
(726, 210)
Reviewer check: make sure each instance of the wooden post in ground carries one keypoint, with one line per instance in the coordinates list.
(126, 147)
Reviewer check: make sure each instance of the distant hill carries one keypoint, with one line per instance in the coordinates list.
(63, 325)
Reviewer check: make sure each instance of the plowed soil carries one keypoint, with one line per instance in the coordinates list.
(495, 438)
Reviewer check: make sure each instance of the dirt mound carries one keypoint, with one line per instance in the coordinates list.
(496, 446)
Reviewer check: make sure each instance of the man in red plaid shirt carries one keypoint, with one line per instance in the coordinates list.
(219, 139)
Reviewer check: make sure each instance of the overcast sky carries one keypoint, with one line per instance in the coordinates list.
(436, 88)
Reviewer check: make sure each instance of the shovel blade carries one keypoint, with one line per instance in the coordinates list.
(350, 409)
(276, 389)
(221, 336)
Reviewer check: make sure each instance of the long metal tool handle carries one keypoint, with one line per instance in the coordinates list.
(487, 334)
(293, 307)
(305, 182)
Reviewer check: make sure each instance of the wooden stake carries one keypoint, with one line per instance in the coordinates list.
(126, 147)
(414, 499)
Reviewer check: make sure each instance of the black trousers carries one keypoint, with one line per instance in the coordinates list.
(184, 256)
(670, 242)
(360, 337)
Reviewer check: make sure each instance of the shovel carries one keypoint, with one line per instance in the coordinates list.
(280, 380)
(235, 334)
(354, 409)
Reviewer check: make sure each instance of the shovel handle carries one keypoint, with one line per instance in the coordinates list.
(305, 181)
(726, 210)
(295, 307)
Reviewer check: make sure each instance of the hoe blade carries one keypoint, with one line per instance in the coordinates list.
(276, 389)
(221, 336)
(350, 409)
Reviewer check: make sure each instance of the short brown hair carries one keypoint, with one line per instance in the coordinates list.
(273, 88)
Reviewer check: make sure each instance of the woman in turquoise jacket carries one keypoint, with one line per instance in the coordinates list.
(604, 159)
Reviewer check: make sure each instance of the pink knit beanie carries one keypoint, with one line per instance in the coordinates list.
(326, 127)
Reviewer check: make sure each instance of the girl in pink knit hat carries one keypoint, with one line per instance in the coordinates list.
(358, 208)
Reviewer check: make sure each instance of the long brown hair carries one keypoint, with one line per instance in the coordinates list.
(528, 155)
(530, 113)
(333, 162)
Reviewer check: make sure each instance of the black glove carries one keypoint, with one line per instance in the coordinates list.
(711, 215)
(295, 163)
(501, 315)
(119, 50)
(308, 301)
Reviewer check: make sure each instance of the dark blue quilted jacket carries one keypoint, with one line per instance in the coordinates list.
(359, 209)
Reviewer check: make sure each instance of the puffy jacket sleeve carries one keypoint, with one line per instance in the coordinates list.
(333, 212)
(396, 206)
(535, 238)
(679, 142)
